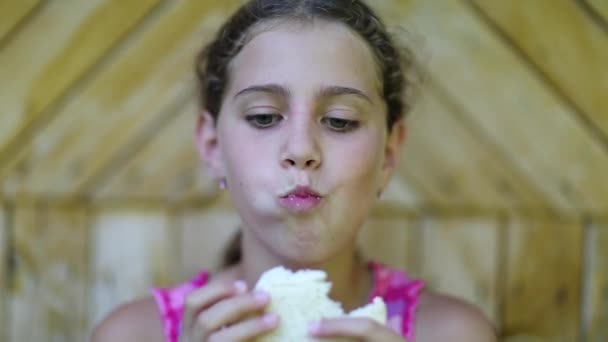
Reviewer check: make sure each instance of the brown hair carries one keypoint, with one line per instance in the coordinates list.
(212, 64)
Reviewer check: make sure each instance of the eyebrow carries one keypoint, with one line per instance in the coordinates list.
(325, 92)
(334, 91)
(273, 89)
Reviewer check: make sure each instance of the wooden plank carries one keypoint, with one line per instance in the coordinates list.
(478, 71)
(4, 258)
(543, 272)
(166, 167)
(12, 12)
(601, 7)
(392, 241)
(132, 251)
(50, 276)
(204, 237)
(43, 67)
(463, 170)
(595, 308)
(141, 88)
(460, 258)
(564, 44)
(401, 192)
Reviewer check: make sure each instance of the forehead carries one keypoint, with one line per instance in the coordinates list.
(301, 55)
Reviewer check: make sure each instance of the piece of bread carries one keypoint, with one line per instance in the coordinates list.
(300, 298)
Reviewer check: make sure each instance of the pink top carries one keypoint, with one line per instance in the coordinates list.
(399, 291)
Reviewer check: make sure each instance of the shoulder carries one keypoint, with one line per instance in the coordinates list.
(135, 321)
(444, 318)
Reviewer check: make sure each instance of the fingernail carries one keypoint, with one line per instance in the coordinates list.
(314, 328)
(270, 320)
(240, 286)
(261, 297)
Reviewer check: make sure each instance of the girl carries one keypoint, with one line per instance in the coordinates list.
(302, 122)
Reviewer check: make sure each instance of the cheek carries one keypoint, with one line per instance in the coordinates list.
(359, 162)
(249, 168)
(242, 158)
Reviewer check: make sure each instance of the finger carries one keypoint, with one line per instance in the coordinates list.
(357, 328)
(247, 330)
(231, 310)
(205, 297)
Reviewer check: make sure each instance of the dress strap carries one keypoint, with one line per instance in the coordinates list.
(170, 302)
(401, 294)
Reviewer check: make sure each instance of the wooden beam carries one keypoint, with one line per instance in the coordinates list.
(145, 174)
(595, 304)
(50, 59)
(394, 241)
(460, 258)
(4, 269)
(458, 163)
(543, 276)
(532, 127)
(564, 45)
(145, 240)
(204, 237)
(145, 88)
(50, 276)
(14, 14)
(600, 8)
(400, 193)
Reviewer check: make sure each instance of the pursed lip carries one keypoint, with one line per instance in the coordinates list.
(300, 200)
(301, 191)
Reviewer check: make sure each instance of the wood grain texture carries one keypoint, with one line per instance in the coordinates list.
(120, 108)
(460, 258)
(51, 53)
(205, 235)
(595, 308)
(4, 259)
(400, 192)
(601, 7)
(527, 122)
(178, 172)
(461, 169)
(392, 241)
(12, 12)
(50, 285)
(543, 273)
(132, 251)
(564, 43)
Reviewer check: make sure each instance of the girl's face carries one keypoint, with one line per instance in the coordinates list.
(302, 112)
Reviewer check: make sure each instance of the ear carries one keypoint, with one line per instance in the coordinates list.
(206, 140)
(392, 151)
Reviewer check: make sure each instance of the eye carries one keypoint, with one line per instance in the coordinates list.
(263, 120)
(340, 125)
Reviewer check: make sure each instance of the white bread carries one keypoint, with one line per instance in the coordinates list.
(302, 297)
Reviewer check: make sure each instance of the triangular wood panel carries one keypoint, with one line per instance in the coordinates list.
(105, 110)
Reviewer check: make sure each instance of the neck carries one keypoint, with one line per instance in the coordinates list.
(343, 270)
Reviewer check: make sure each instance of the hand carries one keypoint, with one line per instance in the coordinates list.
(225, 312)
(360, 329)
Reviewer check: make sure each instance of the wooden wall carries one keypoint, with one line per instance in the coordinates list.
(501, 197)
(68, 265)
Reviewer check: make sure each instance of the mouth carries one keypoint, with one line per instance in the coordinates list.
(300, 200)
(302, 191)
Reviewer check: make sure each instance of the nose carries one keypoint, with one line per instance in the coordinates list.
(301, 149)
